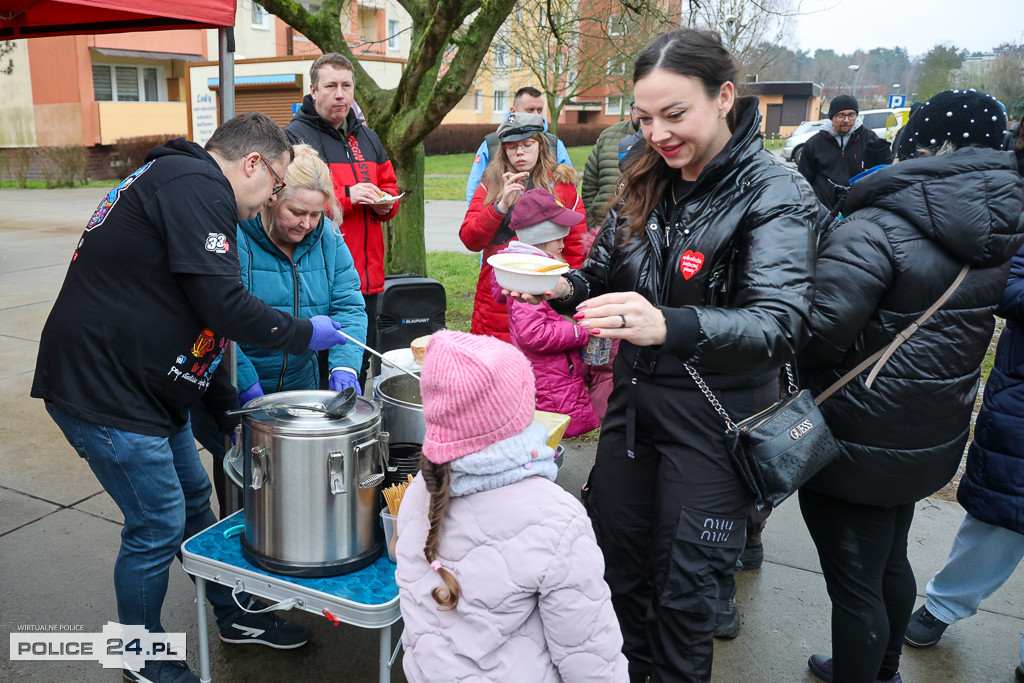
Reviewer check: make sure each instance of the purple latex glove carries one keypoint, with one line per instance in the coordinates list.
(342, 379)
(246, 395)
(326, 333)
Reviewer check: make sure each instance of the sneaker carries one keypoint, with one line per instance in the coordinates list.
(821, 666)
(161, 672)
(727, 622)
(266, 629)
(752, 557)
(924, 630)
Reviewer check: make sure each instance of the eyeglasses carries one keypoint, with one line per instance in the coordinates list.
(280, 181)
(846, 117)
(513, 147)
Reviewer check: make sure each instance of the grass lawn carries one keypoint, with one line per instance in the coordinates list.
(458, 273)
(449, 164)
(41, 185)
(446, 174)
(444, 187)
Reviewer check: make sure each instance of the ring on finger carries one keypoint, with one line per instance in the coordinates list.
(623, 321)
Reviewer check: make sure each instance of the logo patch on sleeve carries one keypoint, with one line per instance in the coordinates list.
(105, 207)
(690, 263)
(217, 242)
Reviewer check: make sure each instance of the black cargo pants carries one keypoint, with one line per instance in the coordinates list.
(670, 515)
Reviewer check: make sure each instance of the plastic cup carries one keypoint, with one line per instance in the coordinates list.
(598, 351)
(390, 535)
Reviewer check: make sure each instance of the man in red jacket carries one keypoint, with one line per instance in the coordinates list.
(364, 180)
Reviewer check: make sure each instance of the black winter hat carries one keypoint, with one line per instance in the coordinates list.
(842, 103)
(960, 117)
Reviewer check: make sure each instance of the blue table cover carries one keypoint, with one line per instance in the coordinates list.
(371, 585)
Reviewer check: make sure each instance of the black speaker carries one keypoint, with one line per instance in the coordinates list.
(410, 307)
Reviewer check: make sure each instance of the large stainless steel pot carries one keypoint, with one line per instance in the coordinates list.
(311, 486)
(401, 409)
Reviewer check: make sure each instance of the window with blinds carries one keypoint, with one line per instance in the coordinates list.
(126, 78)
(102, 88)
(125, 83)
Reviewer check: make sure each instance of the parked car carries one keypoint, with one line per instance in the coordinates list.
(795, 142)
(885, 122)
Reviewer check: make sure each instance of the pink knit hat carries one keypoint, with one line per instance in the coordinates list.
(476, 390)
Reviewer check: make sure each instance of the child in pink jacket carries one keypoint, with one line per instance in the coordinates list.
(499, 574)
(550, 342)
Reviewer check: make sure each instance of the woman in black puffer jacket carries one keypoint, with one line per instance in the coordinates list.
(706, 260)
(909, 229)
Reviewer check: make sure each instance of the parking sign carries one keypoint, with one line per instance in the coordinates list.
(896, 101)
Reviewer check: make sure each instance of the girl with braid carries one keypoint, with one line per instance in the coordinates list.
(499, 574)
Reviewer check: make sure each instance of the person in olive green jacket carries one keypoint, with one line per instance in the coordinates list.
(602, 170)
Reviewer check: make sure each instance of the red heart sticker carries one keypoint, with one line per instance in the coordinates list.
(690, 263)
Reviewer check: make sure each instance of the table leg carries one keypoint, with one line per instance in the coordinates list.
(204, 639)
(385, 655)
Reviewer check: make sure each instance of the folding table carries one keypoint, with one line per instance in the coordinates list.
(367, 598)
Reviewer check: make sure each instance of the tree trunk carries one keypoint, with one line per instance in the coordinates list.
(405, 250)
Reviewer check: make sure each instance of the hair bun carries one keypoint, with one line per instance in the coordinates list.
(304, 151)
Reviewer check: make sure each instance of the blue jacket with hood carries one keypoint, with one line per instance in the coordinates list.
(321, 279)
(992, 488)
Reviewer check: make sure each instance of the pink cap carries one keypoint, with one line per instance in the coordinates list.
(476, 390)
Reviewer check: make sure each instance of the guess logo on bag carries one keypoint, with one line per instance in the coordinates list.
(801, 429)
(690, 263)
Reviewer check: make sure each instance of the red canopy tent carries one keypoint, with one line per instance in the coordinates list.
(35, 18)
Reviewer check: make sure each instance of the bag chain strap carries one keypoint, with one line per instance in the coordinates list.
(712, 399)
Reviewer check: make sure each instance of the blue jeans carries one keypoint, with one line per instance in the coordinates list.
(981, 560)
(163, 492)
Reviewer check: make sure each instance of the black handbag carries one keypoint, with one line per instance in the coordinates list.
(779, 449)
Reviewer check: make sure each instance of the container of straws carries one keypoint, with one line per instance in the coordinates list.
(389, 514)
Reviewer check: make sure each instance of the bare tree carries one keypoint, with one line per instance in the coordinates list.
(6, 48)
(448, 42)
(746, 27)
(578, 48)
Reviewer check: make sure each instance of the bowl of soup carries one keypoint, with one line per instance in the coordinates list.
(527, 273)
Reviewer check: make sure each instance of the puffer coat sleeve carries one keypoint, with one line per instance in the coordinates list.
(579, 623)
(854, 270)
(1011, 304)
(768, 319)
(533, 330)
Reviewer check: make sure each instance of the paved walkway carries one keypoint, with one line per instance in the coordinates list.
(59, 531)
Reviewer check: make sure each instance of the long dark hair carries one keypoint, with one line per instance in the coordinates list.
(687, 52)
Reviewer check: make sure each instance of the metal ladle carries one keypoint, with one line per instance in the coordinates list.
(338, 407)
(367, 348)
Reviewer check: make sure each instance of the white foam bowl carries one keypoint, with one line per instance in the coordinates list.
(516, 272)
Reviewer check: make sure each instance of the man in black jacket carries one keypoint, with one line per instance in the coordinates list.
(840, 150)
(151, 297)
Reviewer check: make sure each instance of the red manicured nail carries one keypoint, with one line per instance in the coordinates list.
(595, 332)
(578, 316)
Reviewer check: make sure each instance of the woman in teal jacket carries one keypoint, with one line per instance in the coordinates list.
(295, 259)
